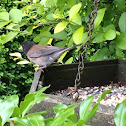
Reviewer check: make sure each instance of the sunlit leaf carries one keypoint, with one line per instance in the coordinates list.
(17, 54)
(77, 35)
(23, 62)
(84, 37)
(62, 56)
(110, 34)
(4, 16)
(7, 106)
(69, 61)
(76, 19)
(120, 114)
(60, 26)
(13, 26)
(74, 10)
(84, 108)
(15, 15)
(35, 120)
(100, 15)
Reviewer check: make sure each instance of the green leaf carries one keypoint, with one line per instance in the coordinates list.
(40, 10)
(13, 26)
(44, 35)
(58, 15)
(27, 104)
(2, 24)
(60, 26)
(15, 15)
(39, 96)
(76, 19)
(0, 121)
(20, 121)
(99, 17)
(50, 17)
(92, 112)
(101, 54)
(84, 108)
(104, 94)
(69, 61)
(99, 38)
(64, 114)
(120, 114)
(119, 52)
(80, 123)
(8, 37)
(77, 35)
(120, 4)
(62, 57)
(23, 62)
(122, 22)
(121, 41)
(60, 35)
(74, 10)
(35, 120)
(31, 99)
(7, 106)
(61, 3)
(110, 34)
(61, 44)
(111, 26)
(16, 112)
(4, 16)
(69, 123)
(73, 118)
(70, 3)
(29, 30)
(57, 108)
(84, 37)
(70, 43)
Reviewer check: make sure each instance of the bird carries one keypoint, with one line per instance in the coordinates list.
(43, 55)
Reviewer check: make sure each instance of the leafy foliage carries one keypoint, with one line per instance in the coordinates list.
(120, 114)
(60, 23)
(64, 115)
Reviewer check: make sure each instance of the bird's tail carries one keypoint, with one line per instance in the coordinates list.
(72, 47)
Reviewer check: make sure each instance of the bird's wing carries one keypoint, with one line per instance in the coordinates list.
(42, 50)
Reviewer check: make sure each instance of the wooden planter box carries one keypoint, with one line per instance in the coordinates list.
(95, 74)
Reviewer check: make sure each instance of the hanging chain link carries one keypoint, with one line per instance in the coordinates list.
(83, 48)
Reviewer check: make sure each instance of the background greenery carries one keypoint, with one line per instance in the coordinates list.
(60, 23)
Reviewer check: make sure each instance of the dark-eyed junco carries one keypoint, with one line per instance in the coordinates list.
(43, 55)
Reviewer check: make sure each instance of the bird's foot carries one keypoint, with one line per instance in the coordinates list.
(40, 68)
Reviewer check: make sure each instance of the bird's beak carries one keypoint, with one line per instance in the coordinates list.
(20, 48)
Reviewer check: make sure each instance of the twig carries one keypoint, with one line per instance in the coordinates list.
(35, 81)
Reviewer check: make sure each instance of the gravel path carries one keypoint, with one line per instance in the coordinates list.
(112, 99)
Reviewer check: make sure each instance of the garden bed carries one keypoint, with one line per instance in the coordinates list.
(96, 75)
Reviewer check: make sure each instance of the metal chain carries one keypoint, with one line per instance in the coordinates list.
(85, 45)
